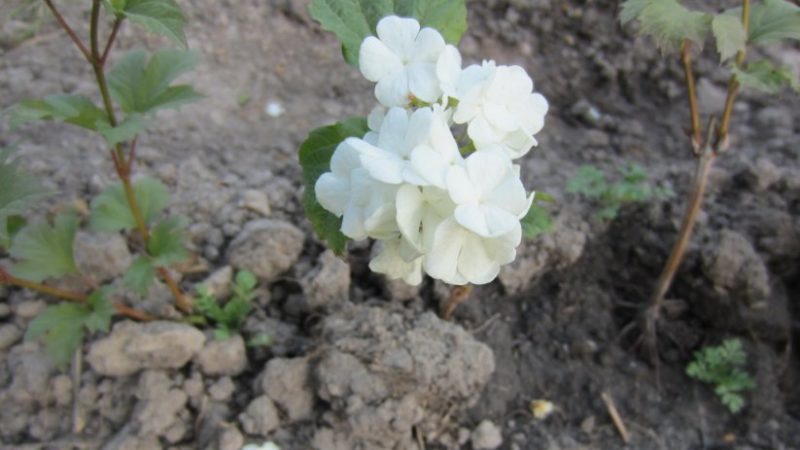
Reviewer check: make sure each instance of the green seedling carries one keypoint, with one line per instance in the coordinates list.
(611, 196)
(720, 366)
(229, 317)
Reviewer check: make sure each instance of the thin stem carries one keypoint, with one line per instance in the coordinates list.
(114, 30)
(721, 141)
(181, 300)
(77, 297)
(704, 164)
(686, 58)
(141, 226)
(69, 30)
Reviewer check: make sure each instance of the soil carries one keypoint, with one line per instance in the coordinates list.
(367, 364)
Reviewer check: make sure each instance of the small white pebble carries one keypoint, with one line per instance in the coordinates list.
(274, 108)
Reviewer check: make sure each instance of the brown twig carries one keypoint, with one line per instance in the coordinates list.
(458, 295)
(181, 300)
(69, 30)
(691, 89)
(615, 417)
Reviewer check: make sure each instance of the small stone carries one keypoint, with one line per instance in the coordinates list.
(231, 439)
(9, 335)
(29, 309)
(400, 290)
(223, 357)
(101, 256)
(61, 386)
(222, 390)
(5, 310)
(328, 283)
(260, 417)
(286, 381)
(157, 411)
(218, 284)
(267, 248)
(486, 436)
(762, 175)
(255, 200)
(154, 345)
(710, 97)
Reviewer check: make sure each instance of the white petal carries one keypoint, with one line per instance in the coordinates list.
(487, 170)
(517, 143)
(531, 111)
(475, 263)
(468, 107)
(430, 165)
(332, 193)
(481, 132)
(409, 207)
(498, 221)
(500, 117)
(442, 139)
(382, 165)
(448, 69)
(428, 46)
(472, 217)
(441, 261)
(352, 222)
(398, 34)
(393, 131)
(390, 262)
(460, 187)
(473, 77)
(375, 118)
(419, 128)
(344, 159)
(422, 81)
(508, 195)
(376, 60)
(509, 84)
(392, 90)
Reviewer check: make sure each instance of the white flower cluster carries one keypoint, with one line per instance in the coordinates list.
(408, 184)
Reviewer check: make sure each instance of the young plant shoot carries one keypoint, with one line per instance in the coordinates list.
(430, 174)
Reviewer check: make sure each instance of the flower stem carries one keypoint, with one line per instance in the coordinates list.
(114, 30)
(691, 88)
(721, 140)
(69, 30)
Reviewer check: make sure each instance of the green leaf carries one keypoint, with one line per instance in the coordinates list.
(763, 76)
(315, 158)
(166, 242)
(668, 22)
(773, 20)
(127, 130)
(99, 319)
(589, 182)
(140, 276)
(246, 281)
(162, 17)
(729, 34)
(61, 327)
(43, 251)
(17, 190)
(74, 109)
(353, 20)
(110, 210)
(537, 221)
(260, 340)
(142, 86)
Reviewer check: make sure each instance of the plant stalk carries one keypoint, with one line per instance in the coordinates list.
(686, 58)
(721, 139)
(70, 32)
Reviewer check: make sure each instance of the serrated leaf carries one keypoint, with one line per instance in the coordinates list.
(73, 109)
(140, 276)
(315, 158)
(353, 20)
(143, 86)
(166, 242)
(61, 328)
(17, 190)
(774, 20)
(763, 76)
(162, 17)
(101, 310)
(537, 221)
(43, 251)
(127, 130)
(668, 22)
(729, 35)
(589, 182)
(110, 211)
(631, 9)
(246, 281)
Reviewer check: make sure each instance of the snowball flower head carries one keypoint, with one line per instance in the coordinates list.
(402, 60)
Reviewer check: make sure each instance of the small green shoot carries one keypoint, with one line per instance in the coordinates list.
(721, 366)
(228, 318)
(632, 187)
